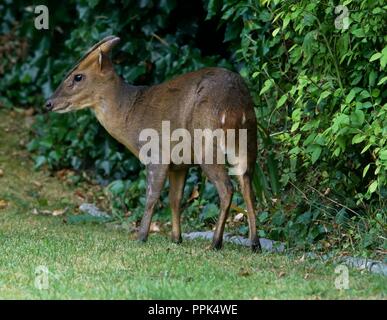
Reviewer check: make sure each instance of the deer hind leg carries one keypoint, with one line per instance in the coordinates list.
(156, 175)
(217, 174)
(248, 195)
(176, 187)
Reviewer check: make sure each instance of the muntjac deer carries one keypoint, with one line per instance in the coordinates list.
(210, 98)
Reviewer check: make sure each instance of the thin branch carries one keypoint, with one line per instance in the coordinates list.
(299, 190)
(334, 201)
(160, 39)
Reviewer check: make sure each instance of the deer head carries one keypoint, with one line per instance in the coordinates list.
(87, 81)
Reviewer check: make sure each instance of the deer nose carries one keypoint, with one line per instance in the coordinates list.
(49, 105)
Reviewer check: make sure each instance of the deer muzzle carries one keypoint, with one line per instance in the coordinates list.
(56, 106)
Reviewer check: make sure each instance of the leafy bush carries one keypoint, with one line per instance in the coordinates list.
(319, 92)
(320, 88)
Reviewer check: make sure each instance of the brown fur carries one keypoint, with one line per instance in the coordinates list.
(208, 98)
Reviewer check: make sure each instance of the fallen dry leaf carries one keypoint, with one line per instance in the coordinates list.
(54, 213)
(281, 274)
(80, 195)
(154, 227)
(58, 212)
(194, 195)
(1, 173)
(3, 204)
(239, 217)
(37, 184)
(63, 174)
(22, 143)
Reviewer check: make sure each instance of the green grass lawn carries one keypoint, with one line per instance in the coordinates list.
(92, 261)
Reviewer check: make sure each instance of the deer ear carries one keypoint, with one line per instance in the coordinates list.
(104, 62)
(100, 58)
(100, 52)
(109, 43)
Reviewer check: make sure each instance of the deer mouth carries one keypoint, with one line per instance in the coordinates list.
(61, 109)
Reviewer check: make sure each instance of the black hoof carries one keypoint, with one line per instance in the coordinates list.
(256, 246)
(217, 245)
(142, 238)
(177, 240)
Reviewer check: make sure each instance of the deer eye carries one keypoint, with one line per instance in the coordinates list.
(78, 77)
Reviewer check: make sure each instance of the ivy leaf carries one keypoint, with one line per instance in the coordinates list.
(358, 138)
(359, 33)
(266, 86)
(366, 148)
(295, 126)
(316, 152)
(275, 32)
(372, 78)
(263, 216)
(278, 218)
(212, 8)
(375, 56)
(373, 186)
(342, 216)
(39, 161)
(382, 81)
(282, 100)
(210, 211)
(117, 187)
(286, 21)
(358, 117)
(307, 45)
(352, 94)
(92, 3)
(323, 95)
(383, 59)
(232, 32)
(383, 155)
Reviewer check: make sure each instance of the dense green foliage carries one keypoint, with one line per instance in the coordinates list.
(318, 90)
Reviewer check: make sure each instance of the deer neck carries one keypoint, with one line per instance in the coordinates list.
(115, 111)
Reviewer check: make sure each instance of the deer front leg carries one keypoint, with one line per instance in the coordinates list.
(156, 175)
